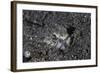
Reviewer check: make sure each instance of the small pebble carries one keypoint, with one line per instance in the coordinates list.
(35, 36)
(31, 38)
(85, 16)
(58, 45)
(63, 47)
(68, 41)
(27, 54)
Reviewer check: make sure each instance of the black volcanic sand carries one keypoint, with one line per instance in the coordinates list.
(43, 33)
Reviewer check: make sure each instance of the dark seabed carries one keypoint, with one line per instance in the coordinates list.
(56, 36)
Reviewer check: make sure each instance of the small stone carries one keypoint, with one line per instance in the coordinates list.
(31, 38)
(35, 36)
(58, 45)
(56, 24)
(68, 41)
(85, 16)
(63, 47)
(27, 54)
(72, 56)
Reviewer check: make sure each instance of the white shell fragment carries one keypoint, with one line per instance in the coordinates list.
(27, 54)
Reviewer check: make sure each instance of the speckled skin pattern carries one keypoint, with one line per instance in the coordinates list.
(56, 36)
